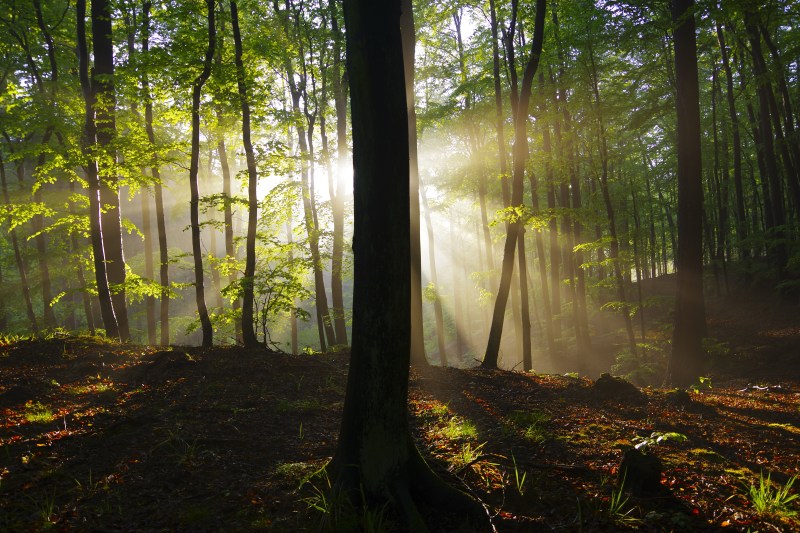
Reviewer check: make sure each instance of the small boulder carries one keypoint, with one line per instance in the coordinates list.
(618, 389)
(640, 473)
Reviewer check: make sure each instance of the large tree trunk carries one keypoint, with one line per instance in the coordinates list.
(686, 360)
(520, 155)
(105, 123)
(194, 167)
(87, 142)
(248, 331)
(376, 460)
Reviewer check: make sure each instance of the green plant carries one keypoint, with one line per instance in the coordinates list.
(37, 412)
(618, 510)
(643, 444)
(339, 513)
(769, 501)
(460, 429)
(519, 481)
(46, 508)
(703, 383)
(532, 424)
(289, 406)
(465, 456)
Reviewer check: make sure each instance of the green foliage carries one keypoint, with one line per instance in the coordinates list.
(339, 514)
(459, 429)
(618, 509)
(36, 412)
(645, 444)
(533, 424)
(702, 384)
(519, 480)
(770, 501)
(465, 456)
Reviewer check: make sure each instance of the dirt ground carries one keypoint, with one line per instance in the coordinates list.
(97, 436)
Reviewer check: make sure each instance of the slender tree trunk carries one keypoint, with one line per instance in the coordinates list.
(778, 252)
(613, 249)
(194, 166)
(161, 226)
(407, 34)
(230, 251)
(437, 293)
(458, 291)
(687, 358)
(520, 154)
(23, 274)
(292, 313)
(248, 333)
(337, 199)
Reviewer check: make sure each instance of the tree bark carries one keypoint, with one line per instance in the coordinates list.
(739, 213)
(88, 141)
(520, 154)
(194, 167)
(161, 226)
(687, 358)
(408, 37)
(376, 460)
(248, 332)
(105, 123)
(437, 302)
(337, 200)
(23, 274)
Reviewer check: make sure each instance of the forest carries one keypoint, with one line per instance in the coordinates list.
(374, 266)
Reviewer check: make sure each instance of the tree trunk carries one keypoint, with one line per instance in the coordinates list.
(613, 249)
(337, 200)
(687, 358)
(376, 460)
(408, 37)
(248, 331)
(777, 253)
(458, 291)
(740, 213)
(437, 293)
(194, 166)
(23, 274)
(105, 123)
(520, 154)
(87, 142)
(161, 226)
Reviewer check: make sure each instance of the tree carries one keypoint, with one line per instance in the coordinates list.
(104, 101)
(686, 361)
(107, 313)
(248, 333)
(194, 204)
(376, 456)
(520, 107)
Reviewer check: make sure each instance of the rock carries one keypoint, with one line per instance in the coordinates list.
(616, 388)
(679, 398)
(640, 473)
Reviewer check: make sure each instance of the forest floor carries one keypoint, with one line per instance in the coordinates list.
(98, 436)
